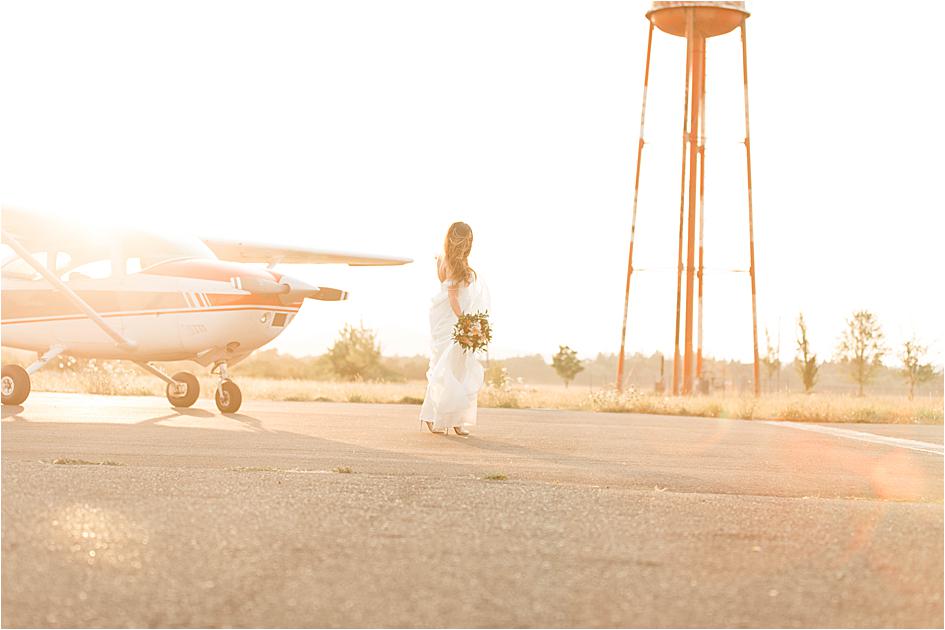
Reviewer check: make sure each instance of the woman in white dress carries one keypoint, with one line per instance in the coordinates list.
(454, 377)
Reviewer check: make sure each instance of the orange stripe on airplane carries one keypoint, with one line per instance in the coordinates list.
(33, 304)
(212, 309)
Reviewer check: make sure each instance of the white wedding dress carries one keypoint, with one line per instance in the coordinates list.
(454, 377)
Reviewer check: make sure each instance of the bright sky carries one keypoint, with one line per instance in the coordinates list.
(371, 126)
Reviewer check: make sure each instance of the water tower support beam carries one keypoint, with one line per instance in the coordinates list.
(633, 220)
(701, 218)
(751, 225)
(682, 202)
(697, 43)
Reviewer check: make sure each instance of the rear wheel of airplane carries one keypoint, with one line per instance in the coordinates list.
(15, 385)
(229, 398)
(191, 393)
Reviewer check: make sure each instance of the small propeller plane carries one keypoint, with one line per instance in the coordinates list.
(131, 295)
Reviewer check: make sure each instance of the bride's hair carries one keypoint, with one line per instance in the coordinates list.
(459, 240)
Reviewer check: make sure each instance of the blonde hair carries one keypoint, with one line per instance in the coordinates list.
(456, 248)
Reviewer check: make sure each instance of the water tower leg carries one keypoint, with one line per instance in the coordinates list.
(701, 219)
(751, 225)
(697, 43)
(682, 206)
(633, 220)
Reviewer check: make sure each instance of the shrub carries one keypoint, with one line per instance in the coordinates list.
(356, 355)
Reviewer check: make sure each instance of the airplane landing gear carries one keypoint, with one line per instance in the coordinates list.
(185, 391)
(16, 380)
(182, 390)
(15, 385)
(228, 396)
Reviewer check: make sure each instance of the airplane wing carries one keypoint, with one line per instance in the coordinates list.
(244, 251)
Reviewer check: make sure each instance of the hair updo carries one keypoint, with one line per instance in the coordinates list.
(459, 240)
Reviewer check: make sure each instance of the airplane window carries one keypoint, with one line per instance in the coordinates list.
(133, 265)
(152, 249)
(62, 260)
(141, 250)
(95, 270)
(16, 267)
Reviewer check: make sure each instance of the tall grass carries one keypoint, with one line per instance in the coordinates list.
(127, 380)
(782, 406)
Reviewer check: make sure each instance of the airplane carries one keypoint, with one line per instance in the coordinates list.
(126, 294)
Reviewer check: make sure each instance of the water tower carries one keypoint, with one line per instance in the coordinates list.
(696, 22)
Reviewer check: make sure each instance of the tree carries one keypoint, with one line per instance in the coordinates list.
(913, 370)
(497, 376)
(566, 364)
(805, 361)
(771, 360)
(355, 354)
(862, 347)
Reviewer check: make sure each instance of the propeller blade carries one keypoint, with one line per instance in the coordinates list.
(327, 294)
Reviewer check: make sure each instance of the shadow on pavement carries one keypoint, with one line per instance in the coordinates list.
(250, 421)
(148, 443)
(177, 413)
(13, 411)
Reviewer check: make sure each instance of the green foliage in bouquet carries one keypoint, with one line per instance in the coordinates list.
(472, 331)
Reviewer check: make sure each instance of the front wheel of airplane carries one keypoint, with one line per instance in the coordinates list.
(191, 390)
(229, 398)
(15, 385)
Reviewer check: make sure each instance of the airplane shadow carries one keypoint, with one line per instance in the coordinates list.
(254, 424)
(281, 448)
(177, 413)
(14, 411)
(168, 445)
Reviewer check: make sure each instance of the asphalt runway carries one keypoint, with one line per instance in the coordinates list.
(119, 511)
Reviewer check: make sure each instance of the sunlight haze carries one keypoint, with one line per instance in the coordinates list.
(371, 126)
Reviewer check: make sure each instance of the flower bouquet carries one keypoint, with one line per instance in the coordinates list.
(472, 331)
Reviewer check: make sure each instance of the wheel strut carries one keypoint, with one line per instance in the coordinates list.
(228, 396)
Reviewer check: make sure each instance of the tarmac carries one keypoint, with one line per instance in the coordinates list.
(121, 511)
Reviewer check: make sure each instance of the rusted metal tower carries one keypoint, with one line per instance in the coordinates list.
(697, 22)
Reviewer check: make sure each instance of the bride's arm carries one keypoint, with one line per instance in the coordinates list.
(440, 269)
(453, 290)
(454, 300)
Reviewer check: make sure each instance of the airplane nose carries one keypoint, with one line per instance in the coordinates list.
(294, 286)
(290, 290)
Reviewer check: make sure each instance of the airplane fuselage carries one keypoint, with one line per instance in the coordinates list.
(176, 310)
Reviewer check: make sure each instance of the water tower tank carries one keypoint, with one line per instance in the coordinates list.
(710, 18)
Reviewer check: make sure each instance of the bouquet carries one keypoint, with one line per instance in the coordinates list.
(472, 331)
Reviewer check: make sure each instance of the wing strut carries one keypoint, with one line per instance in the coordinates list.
(48, 356)
(82, 305)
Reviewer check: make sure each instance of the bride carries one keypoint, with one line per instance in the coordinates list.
(454, 377)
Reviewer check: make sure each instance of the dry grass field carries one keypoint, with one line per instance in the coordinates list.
(818, 407)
